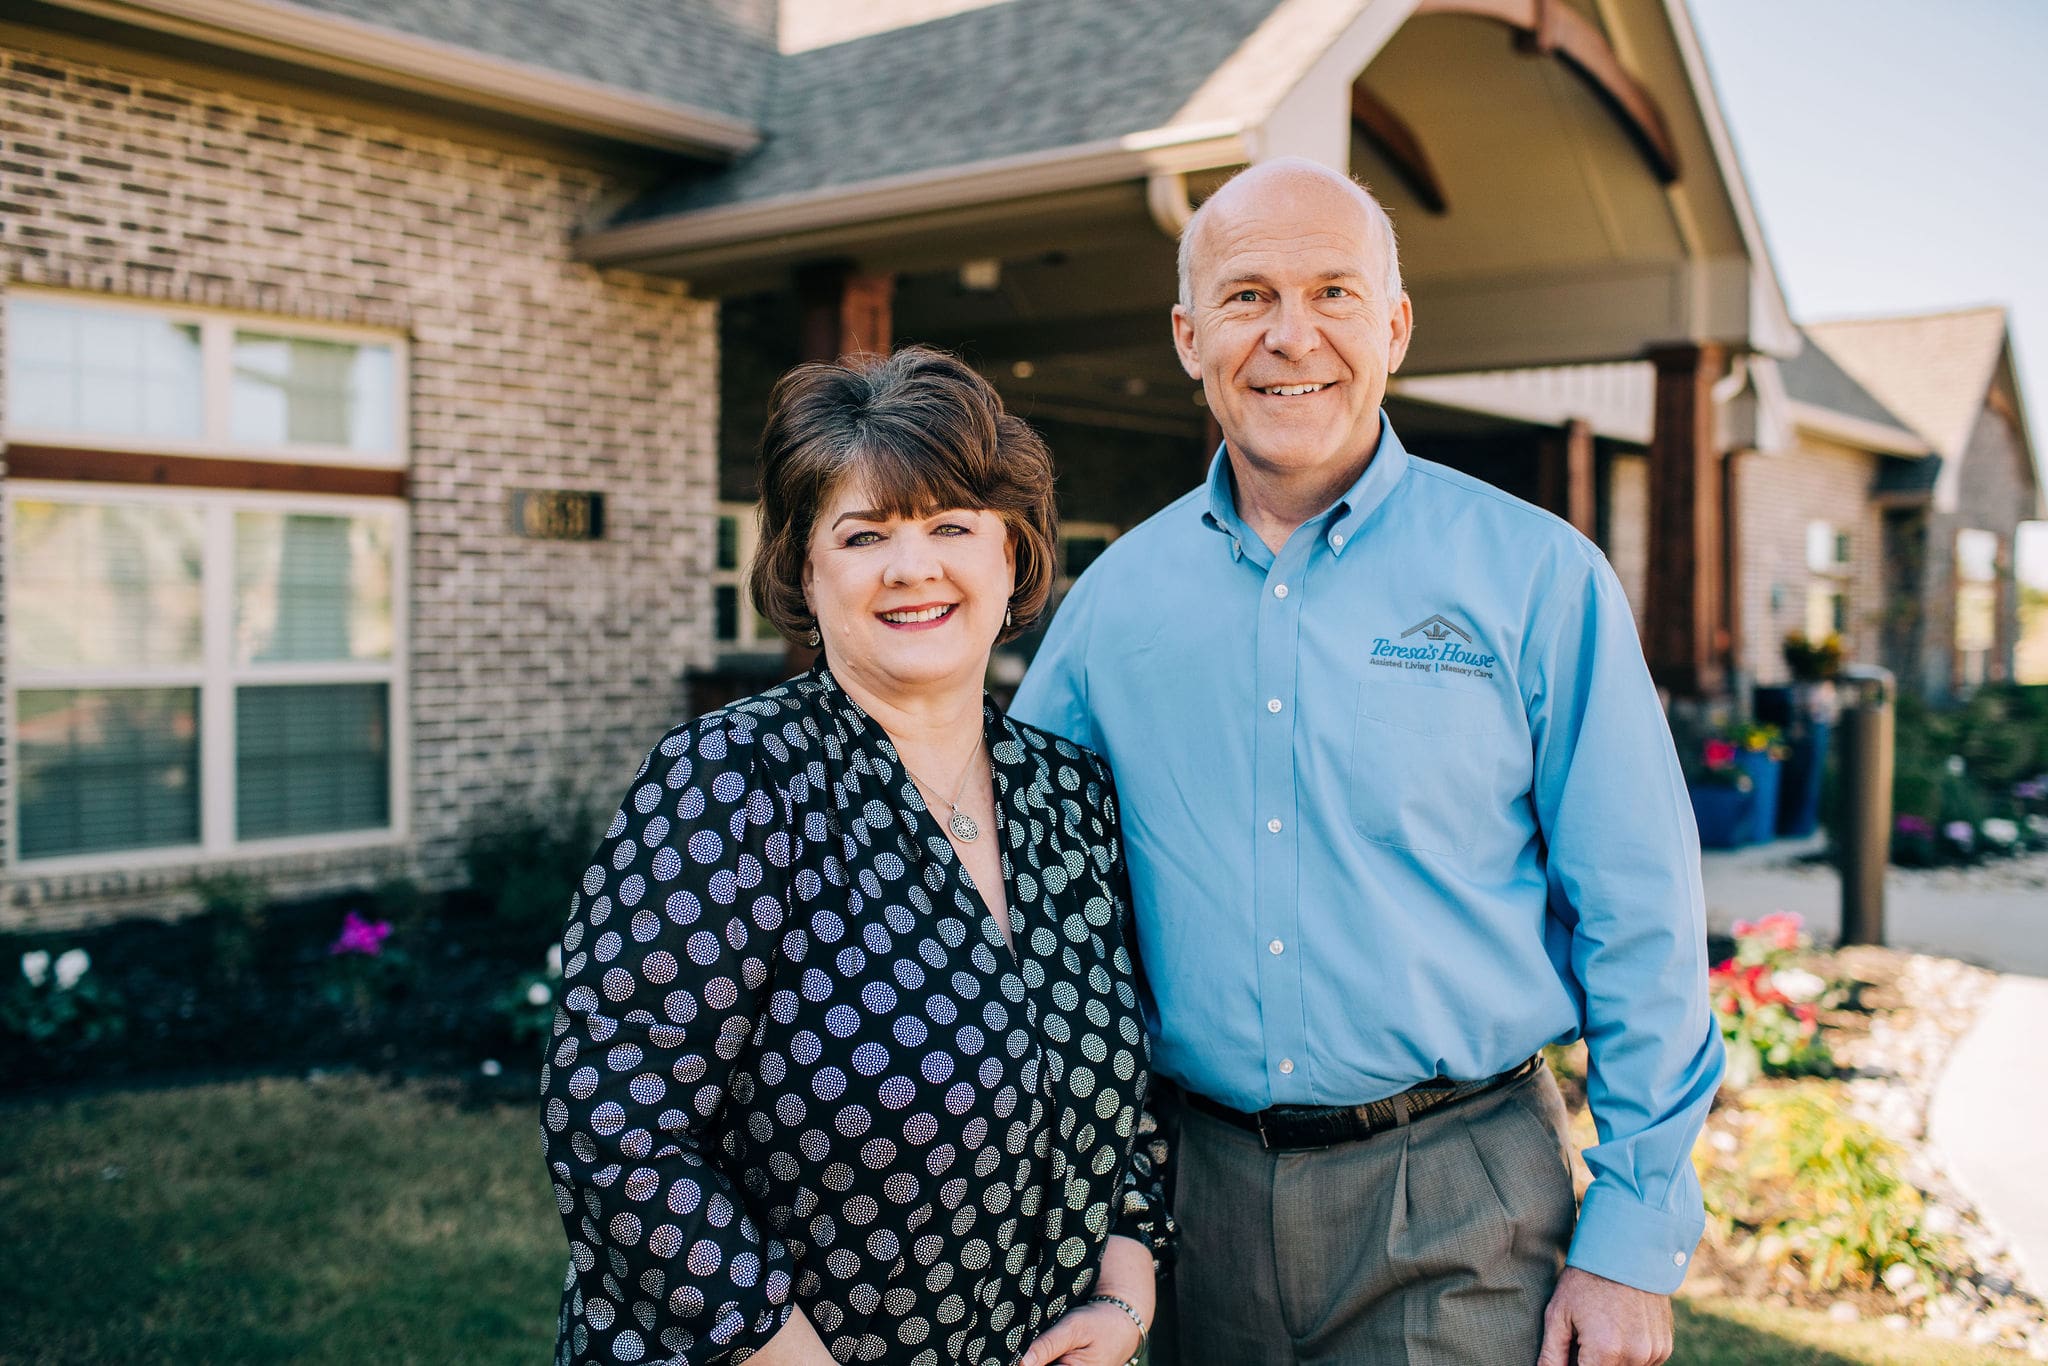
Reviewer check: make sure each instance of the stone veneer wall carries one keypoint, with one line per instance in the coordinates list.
(534, 664)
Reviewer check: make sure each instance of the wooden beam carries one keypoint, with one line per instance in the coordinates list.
(1565, 475)
(845, 312)
(199, 472)
(1729, 643)
(1685, 576)
(1393, 139)
(1550, 28)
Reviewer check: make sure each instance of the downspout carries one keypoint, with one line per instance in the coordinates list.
(1166, 198)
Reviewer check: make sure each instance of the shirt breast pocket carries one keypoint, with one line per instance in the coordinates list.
(1423, 764)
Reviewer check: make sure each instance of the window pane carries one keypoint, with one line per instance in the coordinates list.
(1976, 616)
(1079, 552)
(312, 759)
(1820, 547)
(725, 613)
(103, 586)
(728, 543)
(302, 391)
(1977, 556)
(107, 768)
(101, 372)
(312, 587)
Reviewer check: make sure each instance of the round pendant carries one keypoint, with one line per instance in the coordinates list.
(963, 826)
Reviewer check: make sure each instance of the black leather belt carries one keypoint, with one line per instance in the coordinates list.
(1295, 1128)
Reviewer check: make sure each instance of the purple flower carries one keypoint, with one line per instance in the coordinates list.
(361, 936)
(2032, 790)
(1961, 833)
(1915, 825)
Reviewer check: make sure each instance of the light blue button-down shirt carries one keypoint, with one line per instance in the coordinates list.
(1399, 803)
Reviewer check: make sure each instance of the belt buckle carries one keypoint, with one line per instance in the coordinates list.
(1265, 1144)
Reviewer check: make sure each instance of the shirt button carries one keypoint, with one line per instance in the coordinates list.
(1336, 540)
(1273, 704)
(1274, 825)
(1286, 1064)
(1279, 590)
(1276, 947)
(1678, 1259)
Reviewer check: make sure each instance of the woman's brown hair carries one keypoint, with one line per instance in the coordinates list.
(923, 432)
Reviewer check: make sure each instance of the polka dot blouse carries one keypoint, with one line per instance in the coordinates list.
(796, 1064)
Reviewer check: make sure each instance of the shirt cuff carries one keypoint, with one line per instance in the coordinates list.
(1623, 1239)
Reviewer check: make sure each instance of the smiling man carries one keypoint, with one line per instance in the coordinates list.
(1401, 808)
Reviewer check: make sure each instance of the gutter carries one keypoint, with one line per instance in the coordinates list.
(1162, 157)
(427, 66)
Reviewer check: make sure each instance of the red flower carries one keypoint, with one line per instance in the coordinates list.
(1720, 753)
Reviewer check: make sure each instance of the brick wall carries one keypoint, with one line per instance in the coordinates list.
(1780, 494)
(1996, 493)
(534, 663)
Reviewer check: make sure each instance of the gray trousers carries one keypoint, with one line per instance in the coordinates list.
(1434, 1244)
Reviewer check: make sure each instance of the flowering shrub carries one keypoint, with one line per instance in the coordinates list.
(55, 1004)
(1810, 661)
(1766, 1006)
(529, 1005)
(366, 974)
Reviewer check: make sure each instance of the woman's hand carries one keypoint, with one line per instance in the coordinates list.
(796, 1343)
(1101, 1334)
(1098, 1334)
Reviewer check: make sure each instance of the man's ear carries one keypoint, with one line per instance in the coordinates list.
(1184, 341)
(1402, 327)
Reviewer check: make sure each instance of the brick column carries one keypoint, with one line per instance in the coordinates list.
(1564, 474)
(845, 312)
(1684, 589)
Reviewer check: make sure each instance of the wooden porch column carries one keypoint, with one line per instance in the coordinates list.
(1564, 475)
(845, 312)
(1686, 577)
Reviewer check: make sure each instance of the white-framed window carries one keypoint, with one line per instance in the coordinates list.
(1976, 603)
(194, 672)
(736, 628)
(96, 372)
(1827, 582)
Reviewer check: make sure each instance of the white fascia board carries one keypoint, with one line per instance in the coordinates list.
(1856, 431)
(1166, 150)
(1771, 329)
(368, 52)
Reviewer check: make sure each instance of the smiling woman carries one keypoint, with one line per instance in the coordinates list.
(832, 1080)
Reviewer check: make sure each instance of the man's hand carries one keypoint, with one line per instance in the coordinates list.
(1609, 1323)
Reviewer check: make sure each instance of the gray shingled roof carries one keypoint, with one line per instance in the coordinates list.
(714, 55)
(1025, 76)
(1813, 377)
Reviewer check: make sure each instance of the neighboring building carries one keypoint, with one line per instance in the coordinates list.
(324, 320)
(1951, 519)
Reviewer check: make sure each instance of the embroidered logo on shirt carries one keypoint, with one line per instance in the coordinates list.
(1445, 647)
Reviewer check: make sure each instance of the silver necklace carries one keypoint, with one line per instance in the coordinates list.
(963, 826)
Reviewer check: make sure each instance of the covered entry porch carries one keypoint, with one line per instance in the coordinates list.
(1557, 171)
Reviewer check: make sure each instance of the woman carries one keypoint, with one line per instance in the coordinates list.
(851, 1060)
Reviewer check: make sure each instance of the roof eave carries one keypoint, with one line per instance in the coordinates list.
(1861, 432)
(678, 242)
(384, 57)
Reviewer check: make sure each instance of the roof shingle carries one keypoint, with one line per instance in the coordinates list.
(1933, 370)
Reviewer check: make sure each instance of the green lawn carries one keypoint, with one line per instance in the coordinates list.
(354, 1221)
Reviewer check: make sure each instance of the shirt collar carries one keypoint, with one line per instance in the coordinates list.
(1341, 522)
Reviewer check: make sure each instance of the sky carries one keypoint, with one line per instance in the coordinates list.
(1897, 153)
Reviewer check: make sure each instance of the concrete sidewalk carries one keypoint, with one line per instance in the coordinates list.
(1989, 1118)
(1992, 916)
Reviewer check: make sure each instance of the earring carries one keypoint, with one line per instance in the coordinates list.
(812, 637)
(1009, 619)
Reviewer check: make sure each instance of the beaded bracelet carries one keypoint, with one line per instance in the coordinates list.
(1124, 1305)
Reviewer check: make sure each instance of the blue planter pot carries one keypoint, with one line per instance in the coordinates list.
(1800, 782)
(1764, 772)
(1723, 815)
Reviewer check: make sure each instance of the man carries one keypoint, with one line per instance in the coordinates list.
(1401, 808)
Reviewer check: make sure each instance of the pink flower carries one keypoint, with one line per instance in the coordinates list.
(1720, 753)
(1915, 825)
(1781, 928)
(361, 936)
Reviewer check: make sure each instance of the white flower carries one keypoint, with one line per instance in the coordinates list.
(1955, 765)
(1798, 984)
(555, 960)
(491, 1067)
(538, 994)
(1999, 830)
(71, 966)
(35, 966)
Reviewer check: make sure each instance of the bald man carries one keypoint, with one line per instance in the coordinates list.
(1401, 808)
